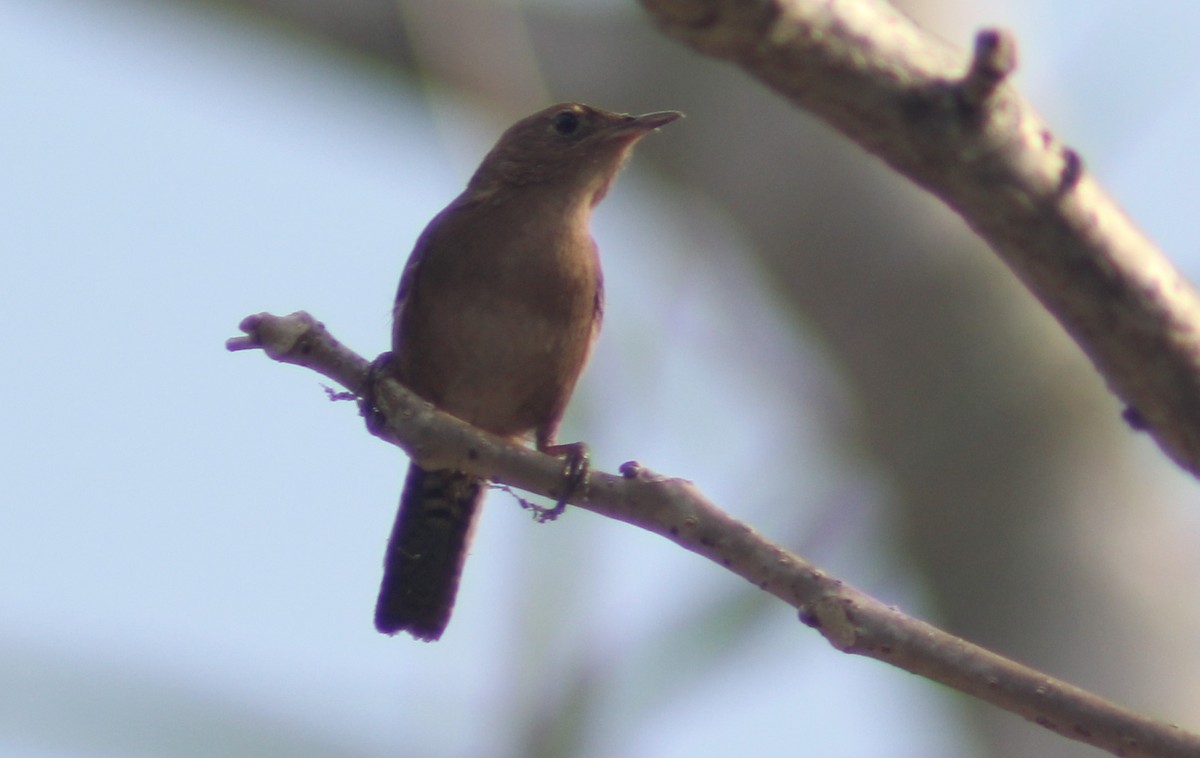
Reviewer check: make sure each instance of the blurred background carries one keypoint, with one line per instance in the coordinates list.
(191, 540)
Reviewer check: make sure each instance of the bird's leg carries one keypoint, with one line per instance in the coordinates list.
(574, 479)
(370, 413)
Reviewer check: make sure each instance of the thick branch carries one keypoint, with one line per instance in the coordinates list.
(673, 508)
(953, 125)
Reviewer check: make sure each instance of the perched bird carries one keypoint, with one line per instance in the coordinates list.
(495, 315)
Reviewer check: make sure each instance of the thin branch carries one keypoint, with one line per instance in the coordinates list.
(675, 509)
(954, 125)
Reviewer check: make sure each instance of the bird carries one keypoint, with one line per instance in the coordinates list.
(495, 316)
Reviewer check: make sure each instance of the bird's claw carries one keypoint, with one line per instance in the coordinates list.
(576, 467)
(371, 414)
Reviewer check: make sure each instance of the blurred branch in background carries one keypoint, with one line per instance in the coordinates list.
(962, 132)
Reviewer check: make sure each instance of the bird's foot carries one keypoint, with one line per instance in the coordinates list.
(574, 479)
(371, 414)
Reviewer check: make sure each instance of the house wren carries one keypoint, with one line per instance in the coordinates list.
(495, 315)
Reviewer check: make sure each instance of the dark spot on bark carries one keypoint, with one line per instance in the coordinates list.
(1135, 419)
(918, 108)
(1072, 171)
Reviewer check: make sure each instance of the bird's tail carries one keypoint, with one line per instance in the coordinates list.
(426, 551)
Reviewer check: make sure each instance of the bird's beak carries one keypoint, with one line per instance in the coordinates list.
(636, 127)
(651, 121)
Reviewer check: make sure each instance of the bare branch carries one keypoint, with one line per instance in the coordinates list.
(954, 126)
(850, 620)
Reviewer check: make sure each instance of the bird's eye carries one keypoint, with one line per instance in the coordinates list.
(566, 123)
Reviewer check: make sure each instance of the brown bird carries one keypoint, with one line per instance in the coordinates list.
(495, 316)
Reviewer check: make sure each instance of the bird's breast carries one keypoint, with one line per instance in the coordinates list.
(497, 330)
